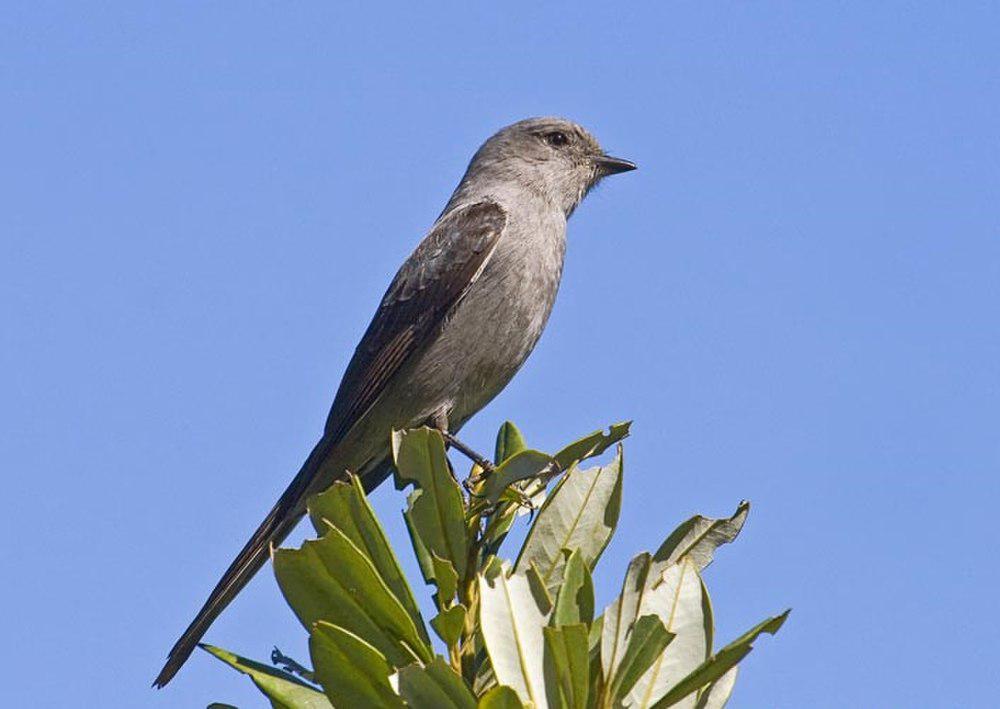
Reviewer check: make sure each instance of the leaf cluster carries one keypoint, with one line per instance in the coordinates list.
(512, 634)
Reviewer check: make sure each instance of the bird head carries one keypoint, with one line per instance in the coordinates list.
(553, 158)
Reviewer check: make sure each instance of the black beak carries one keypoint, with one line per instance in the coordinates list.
(608, 165)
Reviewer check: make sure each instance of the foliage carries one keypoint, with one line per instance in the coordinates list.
(521, 634)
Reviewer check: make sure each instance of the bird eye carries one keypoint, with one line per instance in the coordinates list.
(556, 139)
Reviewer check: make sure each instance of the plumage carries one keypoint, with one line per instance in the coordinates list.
(431, 281)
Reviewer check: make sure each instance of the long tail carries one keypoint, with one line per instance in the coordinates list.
(276, 526)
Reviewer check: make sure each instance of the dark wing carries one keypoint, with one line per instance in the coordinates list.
(427, 287)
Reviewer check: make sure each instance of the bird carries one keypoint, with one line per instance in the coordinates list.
(458, 320)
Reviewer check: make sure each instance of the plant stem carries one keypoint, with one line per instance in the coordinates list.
(468, 592)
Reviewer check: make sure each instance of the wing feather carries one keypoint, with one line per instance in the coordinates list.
(426, 288)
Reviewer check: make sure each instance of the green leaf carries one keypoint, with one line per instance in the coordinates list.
(522, 465)
(533, 489)
(698, 538)
(580, 514)
(677, 599)
(622, 613)
(647, 639)
(436, 511)
(680, 601)
(594, 636)
(353, 672)
(511, 623)
(594, 652)
(424, 557)
(509, 442)
(575, 598)
(567, 666)
(500, 697)
(538, 590)
(499, 524)
(485, 679)
(448, 624)
(446, 580)
(494, 566)
(718, 693)
(345, 506)
(719, 664)
(434, 686)
(285, 691)
(590, 445)
(330, 579)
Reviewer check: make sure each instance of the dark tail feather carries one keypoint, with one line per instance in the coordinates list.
(276, 526)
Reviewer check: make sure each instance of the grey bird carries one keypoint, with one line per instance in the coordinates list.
(459, 319)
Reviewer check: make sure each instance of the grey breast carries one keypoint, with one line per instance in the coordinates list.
(497, 324)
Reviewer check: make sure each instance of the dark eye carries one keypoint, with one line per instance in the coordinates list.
(556, 139)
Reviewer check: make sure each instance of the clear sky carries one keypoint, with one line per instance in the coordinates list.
(795, 298)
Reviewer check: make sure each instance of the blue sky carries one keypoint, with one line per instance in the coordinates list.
(795, 298)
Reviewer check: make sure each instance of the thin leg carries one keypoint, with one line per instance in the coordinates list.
(440, 421)
(472, 455)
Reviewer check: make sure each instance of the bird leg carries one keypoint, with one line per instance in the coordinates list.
(472, 455)
(484, 464)
(439, 420)
(486, 467)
